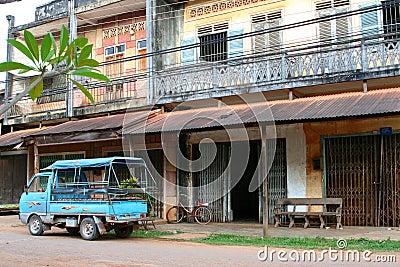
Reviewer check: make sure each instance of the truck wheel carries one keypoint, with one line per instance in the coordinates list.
(88, 229)
(73, 231)
(35, 225)
(124, 232)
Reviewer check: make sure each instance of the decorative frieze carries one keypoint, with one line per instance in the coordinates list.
(120, 30)
(221, 6)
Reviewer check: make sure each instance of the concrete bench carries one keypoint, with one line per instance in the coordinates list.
(307, 208)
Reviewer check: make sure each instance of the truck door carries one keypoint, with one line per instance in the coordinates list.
(34, 200)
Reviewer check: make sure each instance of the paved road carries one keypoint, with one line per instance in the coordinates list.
(57, 248)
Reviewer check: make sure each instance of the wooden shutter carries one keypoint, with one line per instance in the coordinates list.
(369, 21)
(342, 25)
(187, 54)
(259, 40)
(236, 47)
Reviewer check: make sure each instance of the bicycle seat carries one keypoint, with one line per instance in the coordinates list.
(205, 204)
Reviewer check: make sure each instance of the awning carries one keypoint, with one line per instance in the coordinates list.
(339, 106)
(13, 140)
(89, 130)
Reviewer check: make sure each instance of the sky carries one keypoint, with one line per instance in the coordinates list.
(24, 12)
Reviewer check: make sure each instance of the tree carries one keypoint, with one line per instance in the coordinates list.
(69, 59)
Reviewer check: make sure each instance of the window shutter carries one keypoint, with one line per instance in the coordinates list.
(187, 55)
(236, 46)
(325, 27)
(369, 22)
(260, 40)
(342, 25)
(274, 38)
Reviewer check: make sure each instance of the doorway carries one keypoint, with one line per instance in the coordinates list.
(245, 204)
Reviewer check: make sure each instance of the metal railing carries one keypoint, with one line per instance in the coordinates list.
(53, 100)
(357, 56)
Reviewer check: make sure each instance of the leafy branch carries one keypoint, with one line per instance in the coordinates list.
(69, 59)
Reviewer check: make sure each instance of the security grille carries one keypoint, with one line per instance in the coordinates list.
(213, 42)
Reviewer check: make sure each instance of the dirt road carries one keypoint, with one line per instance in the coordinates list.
(57, 248)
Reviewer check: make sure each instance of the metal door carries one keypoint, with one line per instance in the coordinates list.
(219, 206)
(364, 172)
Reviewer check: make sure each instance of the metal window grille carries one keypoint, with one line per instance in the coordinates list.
(213, 42)
(391, 19)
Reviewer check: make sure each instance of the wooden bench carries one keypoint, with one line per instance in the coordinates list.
(309, 207)
(145, 222)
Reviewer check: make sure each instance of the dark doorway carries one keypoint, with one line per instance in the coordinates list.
(245, 204)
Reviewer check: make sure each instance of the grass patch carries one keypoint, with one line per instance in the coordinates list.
(304, 243)
(150, 234)
(146, 234)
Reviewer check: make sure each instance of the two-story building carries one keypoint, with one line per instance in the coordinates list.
(324, 74)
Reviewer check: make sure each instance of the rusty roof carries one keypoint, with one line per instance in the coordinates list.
(14, 138)
(345, 105)
(112, 122)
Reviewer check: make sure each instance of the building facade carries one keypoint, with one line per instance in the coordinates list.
(326, 71)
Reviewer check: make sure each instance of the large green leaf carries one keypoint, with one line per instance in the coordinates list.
(7, 66)
(80, 42)
(85, 53)
(38, 89)
(32, 44)
(21, 47)
(64, 39)
(88, 63)
(83, 89)
(49, 56)
(45, 48)
(90, 74)
(53, 41)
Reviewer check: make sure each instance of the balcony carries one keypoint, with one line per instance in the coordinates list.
(291, 68)
(51, 105)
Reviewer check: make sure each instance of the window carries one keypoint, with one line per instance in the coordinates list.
(213, 42)
(39, 184)
(391, 19)
(336, 28)
(141, 50)
(271, 41)
(114, 69)
(47, 160)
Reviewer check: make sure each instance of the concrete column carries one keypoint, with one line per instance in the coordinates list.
(296, 160)
(72, 28)
(7, 95)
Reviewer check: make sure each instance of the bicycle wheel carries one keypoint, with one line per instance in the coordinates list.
(202, 215)
(175, 214)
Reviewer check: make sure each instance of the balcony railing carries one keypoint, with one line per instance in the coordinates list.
(53, 102)
(263, 72)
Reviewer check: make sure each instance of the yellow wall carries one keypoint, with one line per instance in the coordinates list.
(294, 11)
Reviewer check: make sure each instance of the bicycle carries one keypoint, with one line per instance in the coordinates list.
(200, 212)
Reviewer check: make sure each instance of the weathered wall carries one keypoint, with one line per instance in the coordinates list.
(296, 159)
(314, 131)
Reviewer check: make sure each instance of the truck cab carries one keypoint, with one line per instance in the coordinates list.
(89, 197)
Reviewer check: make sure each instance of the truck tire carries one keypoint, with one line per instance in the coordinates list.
(35, 225)
(88, 229)
(124, 232)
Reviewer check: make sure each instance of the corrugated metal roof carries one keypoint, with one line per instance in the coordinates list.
(112, 122)
(14, 138)
(376, 102)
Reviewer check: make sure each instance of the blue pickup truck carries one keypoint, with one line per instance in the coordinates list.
(89, 197)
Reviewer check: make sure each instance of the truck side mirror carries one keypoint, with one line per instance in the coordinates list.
(26, 189)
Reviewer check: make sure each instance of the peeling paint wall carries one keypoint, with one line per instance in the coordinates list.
(314, 131)
(296, 158)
